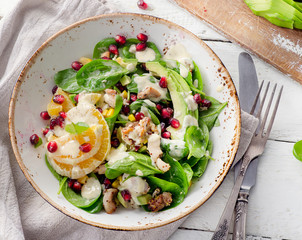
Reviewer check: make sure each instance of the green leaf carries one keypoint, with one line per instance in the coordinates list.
(200, 167)
(188, 171)
(197, 76)
(154, 119)
(66, 79)
(100, 74)
(102, 47)
(76, 128)
(56, 175)
(297, 150)
(62, 182)
(96, 207)
(70, 128)
(196, 141)
(39, 143)
(118, 106)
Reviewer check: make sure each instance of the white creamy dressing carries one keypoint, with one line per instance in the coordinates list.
(188, 121)
(135, 185)
(143, 56)
(82, 113)
(143, 82)
(132, 48)
(130, 67)
(149, 103)
(171, 63)
(116, 154)
(191, 103)
(139, 173)
(91, 189)
(145, 111)
(176, 147)
(183, 71)
(195, 83)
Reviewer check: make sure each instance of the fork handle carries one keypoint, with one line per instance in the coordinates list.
(222, 229)
(240, 216)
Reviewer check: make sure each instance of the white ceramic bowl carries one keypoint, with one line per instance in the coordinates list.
(33, 91)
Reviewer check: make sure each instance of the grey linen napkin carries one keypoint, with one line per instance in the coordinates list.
(24, 214)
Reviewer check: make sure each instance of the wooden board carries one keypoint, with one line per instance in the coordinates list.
(278, 46)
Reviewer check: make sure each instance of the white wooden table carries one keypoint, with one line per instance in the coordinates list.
(275, 204)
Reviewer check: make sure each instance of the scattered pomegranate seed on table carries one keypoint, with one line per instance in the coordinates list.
(206, 103)
(76, 65)
(139, 115)
(45, 131)
(197, 98)
(166, 112)
(174, 123)
(126, 195)
(52, 146)
(77, 186)
(141, 46)
(113, 49)
(44, 115)
(85, 147)
(34, 139)
(142, 37)
(163, 82)
(166, 135)
(121, 40)
(58, 99)
(54, 89)
(142, 5)
(115, 142)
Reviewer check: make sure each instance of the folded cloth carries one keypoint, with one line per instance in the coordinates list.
(24, 214)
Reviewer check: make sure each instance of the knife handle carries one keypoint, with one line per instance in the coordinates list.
(240, 216)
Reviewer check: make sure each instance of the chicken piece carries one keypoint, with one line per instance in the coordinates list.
(154, 147)
(137, 133)
(105, 54)
(160, 201)
(161, 165)
(109, 200)
(100, 169)
(148, 92)
(109, 97)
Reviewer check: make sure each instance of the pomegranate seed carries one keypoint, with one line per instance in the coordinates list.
(136, 148)
(77, 186)
(105, 58)
(34, 139)
(60, 121)
(166, 112)
(63, 114)
(45, 131)
(76, 98)
(139, 115)
(115, 142)
(206, 103)
(142, 5)
(58, 99)
(126, 195)
(85, 147)
(53, 123)
(126, 109)
(120, 87)
(163, 82)
(197, 98)
(174, 123)
(100, 110)
(121, 40)
(44, 115)
(54, 89)
(70, 182)
(142, 37)
(133, 97)
(163, 127)
(107, 183)
(159, 107)
(113, 49)
(76, 65)
(141, 46)
(52, 146)
(166, 135)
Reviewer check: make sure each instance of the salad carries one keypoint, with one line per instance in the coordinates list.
(128, 127)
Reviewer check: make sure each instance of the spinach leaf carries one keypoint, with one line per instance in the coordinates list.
(197, 76)
(176, 174)
(188, 171)
(155, 49)
(154, 118)
(132, 86)
(175, 148)
(96, 207)
(177, 192)
(200, 167)
(136, 106)
(102, 47)
(196, 140)
(131, 164)
(118, 106)
(125, 49)
(100, 74)
(66, 79)
(75, 198)
(210, 115)
(56, 175)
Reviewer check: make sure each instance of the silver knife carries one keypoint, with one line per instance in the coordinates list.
(248, 87)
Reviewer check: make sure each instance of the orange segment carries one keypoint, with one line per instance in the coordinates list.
(67, 104)
(53, 108)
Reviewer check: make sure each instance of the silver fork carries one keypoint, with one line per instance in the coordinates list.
(255, 149)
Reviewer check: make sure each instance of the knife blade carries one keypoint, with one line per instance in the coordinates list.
(248, 87)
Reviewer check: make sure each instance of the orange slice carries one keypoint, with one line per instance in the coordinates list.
(67, 104)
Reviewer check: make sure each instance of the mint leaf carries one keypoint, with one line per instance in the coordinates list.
(70, 128)
(39, 143)
(81, 127)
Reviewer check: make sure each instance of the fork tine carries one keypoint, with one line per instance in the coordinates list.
(267, 110)
(269, 128)
(256, 99)
(263, 100)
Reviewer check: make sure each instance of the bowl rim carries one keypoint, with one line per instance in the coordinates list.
(31, 61)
